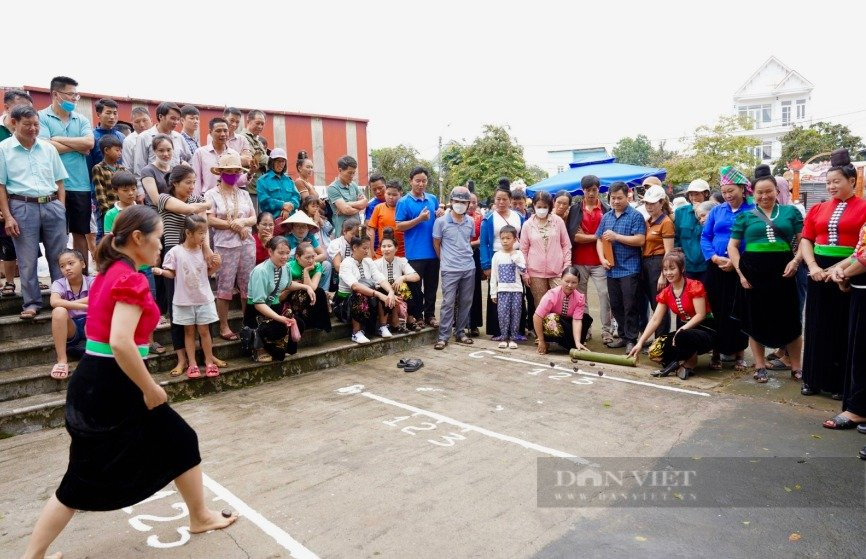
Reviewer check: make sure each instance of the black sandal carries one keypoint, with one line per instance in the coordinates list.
(672, 366)
(465, 340)
(8, 289)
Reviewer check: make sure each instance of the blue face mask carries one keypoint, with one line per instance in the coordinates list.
(67, 106)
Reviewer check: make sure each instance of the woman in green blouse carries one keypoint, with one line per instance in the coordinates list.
(762, 251)
(310, 305)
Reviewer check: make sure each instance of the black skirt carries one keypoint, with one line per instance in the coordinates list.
(825, 339)
(855, 370)
(722, 292)
(121, 453)
(770, 313)
(307, 315)
(691, 342)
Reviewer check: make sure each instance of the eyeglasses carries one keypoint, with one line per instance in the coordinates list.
(74, 96)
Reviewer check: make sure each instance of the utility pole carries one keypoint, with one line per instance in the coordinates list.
(439, 173)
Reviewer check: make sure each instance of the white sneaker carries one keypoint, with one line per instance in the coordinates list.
(359, 337)
(503, 345)
(512, 345)
(384, 332)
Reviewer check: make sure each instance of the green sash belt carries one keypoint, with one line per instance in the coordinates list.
(833, 251)
(778, 246)
(103, 349)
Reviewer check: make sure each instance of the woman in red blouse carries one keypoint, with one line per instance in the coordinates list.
(127, 443)
(688, 299)
(829, 236)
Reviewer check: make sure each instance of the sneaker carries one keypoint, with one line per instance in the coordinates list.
(384, 332)
(359, 337)
(617, 343)
(606, 338)
(512, 345)
(628, 347)
(503, 345)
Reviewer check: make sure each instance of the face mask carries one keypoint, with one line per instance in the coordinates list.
(67, 106)
(542, 212)
(459, 209)
(228, 179)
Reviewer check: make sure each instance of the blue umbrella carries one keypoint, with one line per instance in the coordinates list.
(607, 171)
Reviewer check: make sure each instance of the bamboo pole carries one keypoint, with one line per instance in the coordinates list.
(603, 358)
(858, 189)
(795, 186)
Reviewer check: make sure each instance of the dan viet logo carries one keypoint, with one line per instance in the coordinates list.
(641, 478)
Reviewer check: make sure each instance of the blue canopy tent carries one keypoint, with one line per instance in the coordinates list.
(607, 171)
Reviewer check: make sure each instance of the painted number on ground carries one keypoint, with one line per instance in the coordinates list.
(560, 375)
(145, 522)
(415, 427)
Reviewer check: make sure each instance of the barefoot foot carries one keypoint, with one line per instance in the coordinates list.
(210, 521)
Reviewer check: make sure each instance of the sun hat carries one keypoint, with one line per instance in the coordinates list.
(228, 162)
(283, 226)
(698, 185)
(654, 194)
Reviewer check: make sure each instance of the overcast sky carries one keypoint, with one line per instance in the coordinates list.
(560, 74)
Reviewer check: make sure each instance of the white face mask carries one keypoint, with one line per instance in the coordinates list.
(542, 212)
(459, 207)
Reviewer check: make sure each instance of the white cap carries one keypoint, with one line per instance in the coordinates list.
(654, 194)
(698, 185)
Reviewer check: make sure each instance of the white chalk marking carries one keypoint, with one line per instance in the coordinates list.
(354, 389)
(466, 427)
(296, 550)
(594, 375)
(428, 389)
(499, 407)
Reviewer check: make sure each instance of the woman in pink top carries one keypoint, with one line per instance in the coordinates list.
(546, 246)
(561, 315)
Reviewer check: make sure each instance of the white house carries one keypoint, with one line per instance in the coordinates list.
(558, 160)
(776, 97)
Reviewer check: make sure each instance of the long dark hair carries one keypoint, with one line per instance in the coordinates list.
(135, 218)
(191, 224)
(177, 174)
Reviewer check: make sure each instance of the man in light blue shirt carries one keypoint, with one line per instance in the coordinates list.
(32, 199)
(452, 237)
(70, 132)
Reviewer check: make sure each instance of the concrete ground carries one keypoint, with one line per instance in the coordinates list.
(370, 461)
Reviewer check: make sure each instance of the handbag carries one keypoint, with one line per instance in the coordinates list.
(656, 350)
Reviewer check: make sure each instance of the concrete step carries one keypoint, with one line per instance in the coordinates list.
(12, 305)
(42, 411)
(31, 380)
(25, 351)
(13, 328)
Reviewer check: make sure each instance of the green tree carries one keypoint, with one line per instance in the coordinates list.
(633, 151)
(534, 174)
(821, 137)
(491, 155)
(712, 148)
(660, 155)
(397, 162)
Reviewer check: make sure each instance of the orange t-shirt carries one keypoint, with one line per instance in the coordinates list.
(384, 216)
(655, 232)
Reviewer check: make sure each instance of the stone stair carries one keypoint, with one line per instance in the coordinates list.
(31, 400)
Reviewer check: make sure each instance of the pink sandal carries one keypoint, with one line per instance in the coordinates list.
(211, 371)
(60, 371)
(193, 372)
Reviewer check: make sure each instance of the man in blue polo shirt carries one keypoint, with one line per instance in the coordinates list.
(415, 215)
(32, 202)
(625, 228)
(70, 132)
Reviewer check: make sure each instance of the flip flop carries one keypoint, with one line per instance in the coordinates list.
(28, 314)
(776, 365)
(60, 371)
(177, 371)
(231, 337)
(413, 365)
(401, 364)
(220, 362)
(840, 422)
